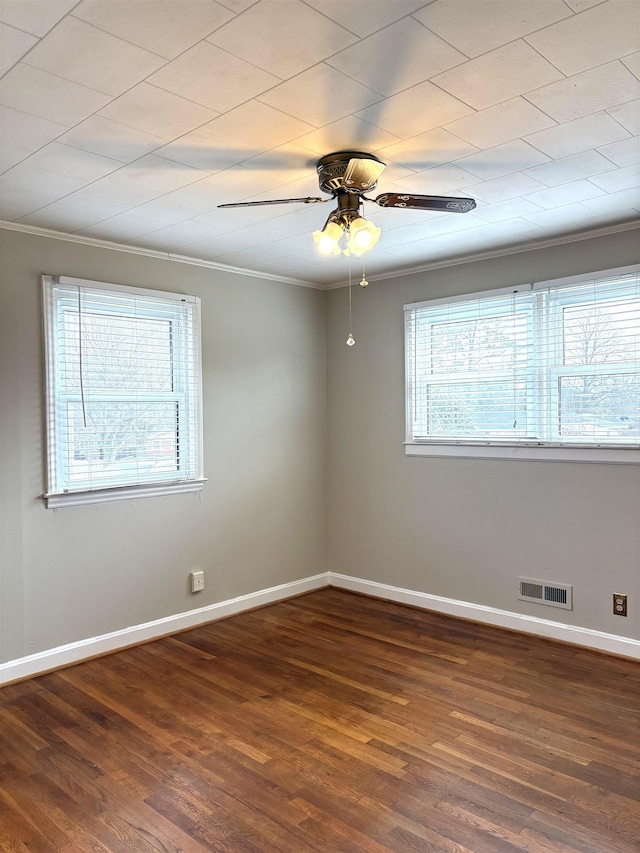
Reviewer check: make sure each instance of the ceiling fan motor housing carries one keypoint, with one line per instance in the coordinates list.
(333, 167)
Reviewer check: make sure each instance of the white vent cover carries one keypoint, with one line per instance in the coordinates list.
(543, 592)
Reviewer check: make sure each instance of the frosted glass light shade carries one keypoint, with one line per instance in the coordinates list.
(328, 240)
(363, 235)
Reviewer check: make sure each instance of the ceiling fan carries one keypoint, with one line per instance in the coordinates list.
(346, 176)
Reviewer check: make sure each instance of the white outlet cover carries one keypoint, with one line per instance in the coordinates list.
(197, 581)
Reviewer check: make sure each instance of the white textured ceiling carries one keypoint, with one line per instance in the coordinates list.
(131, 120)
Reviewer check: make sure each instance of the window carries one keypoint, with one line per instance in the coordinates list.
(124, 392)
(547, 371)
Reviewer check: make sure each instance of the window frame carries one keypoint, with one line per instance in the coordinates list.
(59, 491)
(519, 449)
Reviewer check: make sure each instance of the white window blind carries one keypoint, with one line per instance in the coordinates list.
(548, 366)
(123, 391)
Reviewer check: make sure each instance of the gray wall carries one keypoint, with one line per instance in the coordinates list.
(79, 572)
(459, 528)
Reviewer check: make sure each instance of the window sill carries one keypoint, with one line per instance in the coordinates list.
(123, 493)
(527, 452)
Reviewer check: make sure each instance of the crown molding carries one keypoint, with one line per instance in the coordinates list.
(516, 249)
(152, 253)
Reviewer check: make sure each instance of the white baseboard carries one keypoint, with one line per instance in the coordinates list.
(41, 662)
(61, 656)
(587, 637)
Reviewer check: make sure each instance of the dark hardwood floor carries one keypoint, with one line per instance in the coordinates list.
(331, 723)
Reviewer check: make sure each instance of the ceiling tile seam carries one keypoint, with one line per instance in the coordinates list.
(384, 27)
(67, 129)
(628, 56)
(84, 187)
(617, 165)
(307, 120)
(242, 59)
(108, 34)
(39, 37)
(325, 58)
(123, 162)
(146, 79)
(527, 216)
(205, 174)
(520, 94)
(569, 121)
(160, 89)
(457, 160)
(497, 103)
(222, 3)
(388, 26)
(237, 107)
(498, 47)
(374, 32)
(384, 97)
(381, 96)
(173, 59)
(578, 74)
(44, 145)
(104, 32)
(545, 59)
(575, 16)
(616, 106)
(201, 172)
(166, 59)
(72, 230)
(555, 121)
(24, 32)
(442, 39)
(448, 127)
(66, 80)
(534, 146)
(337, 23)
(214, 138)
(183, 97)
(22, 56)
(618, 59)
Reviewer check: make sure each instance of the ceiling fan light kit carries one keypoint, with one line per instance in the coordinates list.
(362, 234)
(346, 176)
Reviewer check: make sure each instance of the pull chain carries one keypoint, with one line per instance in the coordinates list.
(350, 340)
(364, 281)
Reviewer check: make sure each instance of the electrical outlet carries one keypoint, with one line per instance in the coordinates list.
(619, 604)
(197, 581)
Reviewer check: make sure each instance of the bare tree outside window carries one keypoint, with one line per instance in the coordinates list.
(116, 362)
(603, 399)
(124, 397)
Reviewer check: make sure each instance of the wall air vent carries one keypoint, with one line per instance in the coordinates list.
(542, 592)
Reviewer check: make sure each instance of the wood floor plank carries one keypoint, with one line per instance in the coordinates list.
(329, 723)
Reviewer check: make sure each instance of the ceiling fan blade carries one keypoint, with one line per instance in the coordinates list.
(362, 174)
(308, 200)
(425, 202)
